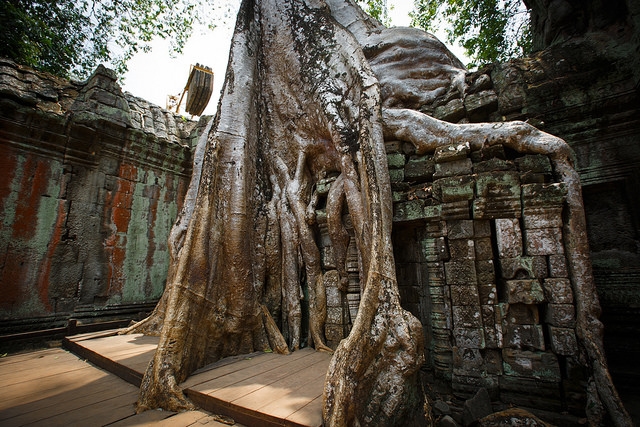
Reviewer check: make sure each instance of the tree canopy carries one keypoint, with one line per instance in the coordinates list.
(488, 30)
(70, 38)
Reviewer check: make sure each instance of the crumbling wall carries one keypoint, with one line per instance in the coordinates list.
(92, 180)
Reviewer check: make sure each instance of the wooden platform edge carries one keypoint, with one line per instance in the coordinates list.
(239, 414)
(129, 375)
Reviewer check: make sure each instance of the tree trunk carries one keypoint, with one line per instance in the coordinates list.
(302, 101)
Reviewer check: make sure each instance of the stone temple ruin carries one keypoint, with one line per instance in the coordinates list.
(477, 234)
(480, 261)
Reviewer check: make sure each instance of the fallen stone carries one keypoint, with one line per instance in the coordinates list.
(476, 408)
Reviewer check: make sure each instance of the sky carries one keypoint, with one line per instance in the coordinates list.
(156, 74)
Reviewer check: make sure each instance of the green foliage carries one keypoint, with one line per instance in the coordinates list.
(71, 37)
(377, 9)
(488, 30)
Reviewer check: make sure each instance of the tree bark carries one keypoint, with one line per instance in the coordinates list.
(302, 101)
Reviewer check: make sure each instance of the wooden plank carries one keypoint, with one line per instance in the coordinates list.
(78, 400)
(145, 419)
(33, 369)
(310, 414)
(242, 363)
(232, 376)
(20, 357)
(39, 400)
(271, 379)
(93, 335)
(12, 364)
(99, 413)
(309, 388)
(34, 386)
(127, 374)
(290, 380)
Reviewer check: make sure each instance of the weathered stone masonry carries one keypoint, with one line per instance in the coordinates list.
(92, 180)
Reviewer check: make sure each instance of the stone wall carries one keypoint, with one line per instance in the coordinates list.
(585, 90)
(92, 182)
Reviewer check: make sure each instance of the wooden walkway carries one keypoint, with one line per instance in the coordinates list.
(260, 389)
(55, 388)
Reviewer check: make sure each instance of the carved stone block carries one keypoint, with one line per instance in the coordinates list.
(467, 316)
(543, 241)
(563, 341)
(561, 315)
(528, 291)
(488, 294)
(531, 364)
(460, 229)
(509, 237)
(522, 314)
(558, 291)
(460, 272)
(462, 248)
(523, 336)
(485, 272)
(483, 248)
(469, 337)
(550, 217)
(558, 266)
(464, 295)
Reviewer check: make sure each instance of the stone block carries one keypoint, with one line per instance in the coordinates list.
(537, 163)
(460, 229)
(452, 111)
(561, 315)
(483, 248)
(334, 315)
(550, 217)
(434, 249)
(543, 241)
(334, 298)
(392, 147)
(535, 195)
(543, 366)
(467, 316)
(498, 184)
(563, 341)
(482, 228)
(460, 272)
(467, 361)
(334, 333)
(485, 272)
(419, 169)
(467, 386)
(408, 211)
(558, 266)
(432, 211)
(396, 175)
(491, 208)
(435, 273)
(523, 336)
(479, 105)
(558, 291)
(479, 406)
(493, 165)
(522, 314)
(449, 153)
(454, 168)
(456, 210)
(526, 291)
(493, 361)
(469, 337)
(509, 237)
(462, 248)
(516, 268)
(462, 295)
(530, 393)
(395, 161)
(453, 189)
(488, 294)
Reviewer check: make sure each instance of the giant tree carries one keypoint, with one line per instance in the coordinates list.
(312, 90)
